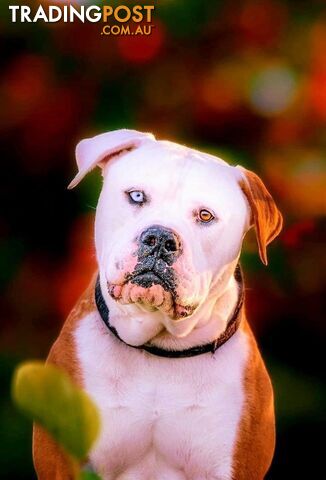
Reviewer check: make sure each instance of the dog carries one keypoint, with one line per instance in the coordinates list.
(160, 339)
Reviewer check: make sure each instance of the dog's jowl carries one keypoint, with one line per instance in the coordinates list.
(160, 339)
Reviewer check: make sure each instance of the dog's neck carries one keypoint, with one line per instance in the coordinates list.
(137, 326)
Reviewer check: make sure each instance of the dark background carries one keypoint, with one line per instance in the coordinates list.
(245, 80)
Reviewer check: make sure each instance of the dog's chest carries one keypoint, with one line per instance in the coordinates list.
(173, 419)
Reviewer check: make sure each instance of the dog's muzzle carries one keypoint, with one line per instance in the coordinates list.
(159, 247)
(153, 281)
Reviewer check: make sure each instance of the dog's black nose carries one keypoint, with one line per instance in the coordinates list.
(161, 242)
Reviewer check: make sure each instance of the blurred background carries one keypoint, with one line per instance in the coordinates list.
(243, 80)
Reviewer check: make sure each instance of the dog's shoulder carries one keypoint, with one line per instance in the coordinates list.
(63, 351)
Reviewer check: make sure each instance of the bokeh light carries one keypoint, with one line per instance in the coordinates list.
(273, 90)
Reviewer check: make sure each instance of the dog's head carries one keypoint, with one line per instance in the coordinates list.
(170, 220)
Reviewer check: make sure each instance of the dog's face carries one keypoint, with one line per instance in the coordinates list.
(169, 222)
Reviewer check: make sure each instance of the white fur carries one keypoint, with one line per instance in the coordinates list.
(162, 419)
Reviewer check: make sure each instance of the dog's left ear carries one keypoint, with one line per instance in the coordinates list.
(96, 151)
(265, 216)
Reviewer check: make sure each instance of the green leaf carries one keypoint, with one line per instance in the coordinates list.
(87, 475)
(47, 395)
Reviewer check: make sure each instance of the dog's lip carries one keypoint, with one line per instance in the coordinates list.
(148, 276)
(182, 312)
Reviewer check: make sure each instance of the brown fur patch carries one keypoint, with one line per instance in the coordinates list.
(256, 433)
(49, 460)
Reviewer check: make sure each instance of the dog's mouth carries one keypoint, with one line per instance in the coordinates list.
(147, 279)
(153, 288)
(150, 272)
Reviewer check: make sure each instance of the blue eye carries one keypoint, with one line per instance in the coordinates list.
(137, 196)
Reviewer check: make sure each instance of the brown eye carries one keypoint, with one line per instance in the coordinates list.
(205, 216)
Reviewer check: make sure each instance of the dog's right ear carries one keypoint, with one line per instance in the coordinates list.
(96, 151)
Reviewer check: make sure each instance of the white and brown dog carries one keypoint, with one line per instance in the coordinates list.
(160, 340)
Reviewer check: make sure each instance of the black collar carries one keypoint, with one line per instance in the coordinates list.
(230, 330)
